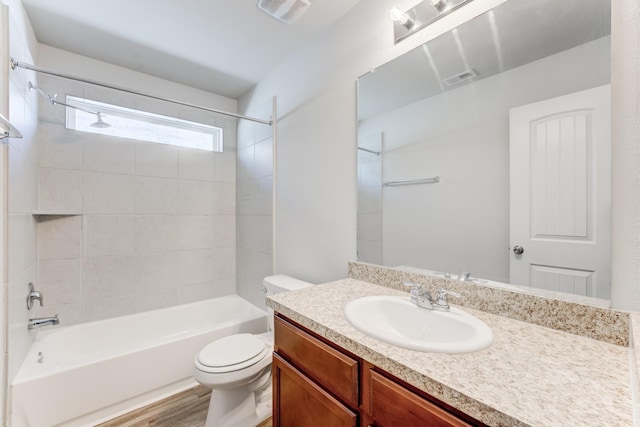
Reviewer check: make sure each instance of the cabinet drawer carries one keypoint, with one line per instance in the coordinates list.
(333, 370)
(298, 401)
(394, 405)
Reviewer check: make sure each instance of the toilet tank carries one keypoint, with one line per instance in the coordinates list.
(280, 283)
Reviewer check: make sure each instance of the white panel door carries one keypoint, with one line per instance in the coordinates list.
(560, 193)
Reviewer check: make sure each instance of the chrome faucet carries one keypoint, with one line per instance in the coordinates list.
(465, 276)
(42, 321)
(422, 297)
(441, 303)
(32, 296)
(419, 295)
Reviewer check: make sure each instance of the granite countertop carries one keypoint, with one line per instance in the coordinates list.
(530, 376)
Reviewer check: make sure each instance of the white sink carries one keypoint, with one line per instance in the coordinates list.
(397, 321)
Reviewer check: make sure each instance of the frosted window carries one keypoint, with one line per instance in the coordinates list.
(140, 125)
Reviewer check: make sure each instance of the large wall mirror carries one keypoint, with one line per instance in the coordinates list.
(486, 152)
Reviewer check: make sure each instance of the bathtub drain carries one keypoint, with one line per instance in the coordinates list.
(40, 357)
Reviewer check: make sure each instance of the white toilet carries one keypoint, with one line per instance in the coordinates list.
(238, 369)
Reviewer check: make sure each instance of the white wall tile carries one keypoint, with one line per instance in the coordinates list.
(255, 232)
(195, 266)
(197, 164)
(159, 160)
(108, 235)
(104, 308)
(224, 231)
(196, 197)
(69, 314)
(194, 292)
(196, 231)
(224, 271)
(103, 153)
(156, 233)
(59, 281)
(263, 132)
(23, 178)
(263, 159)
(106, 193)
(59, 189)
(224, 198)
(156, 196)
(255, 196)
(252, 268)
(58, 147)
(156, 271)
(245, 134)
(19, 338)
(104, 277)
(226, 166)
(245, 163)
(162, 298)
(59, 237)
(22, 244)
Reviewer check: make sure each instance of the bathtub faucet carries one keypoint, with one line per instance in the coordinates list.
(43, 321)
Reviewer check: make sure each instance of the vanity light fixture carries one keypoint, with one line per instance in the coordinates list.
(410, 21)
(398, 14)
(440, 5)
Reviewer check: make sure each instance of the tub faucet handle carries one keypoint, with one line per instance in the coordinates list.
(33, 295)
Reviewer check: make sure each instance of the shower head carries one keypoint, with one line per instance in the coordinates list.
(52, 100)
(100, 123)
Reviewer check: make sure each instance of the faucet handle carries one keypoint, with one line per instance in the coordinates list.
(441, 302)
(415, 290)
(33, 295)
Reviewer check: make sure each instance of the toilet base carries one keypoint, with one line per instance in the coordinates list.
(239, 408)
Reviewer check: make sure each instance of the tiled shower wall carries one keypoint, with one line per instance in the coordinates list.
(255, 205)
(127, 226)
(22, 173)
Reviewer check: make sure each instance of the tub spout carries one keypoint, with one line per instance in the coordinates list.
(42, 321)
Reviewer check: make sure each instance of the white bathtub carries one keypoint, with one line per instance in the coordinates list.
(94, 371)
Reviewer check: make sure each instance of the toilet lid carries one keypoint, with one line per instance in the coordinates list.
(232, 353)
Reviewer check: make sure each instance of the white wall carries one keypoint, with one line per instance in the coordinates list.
(462, 223)
(315, 172)
(315, 175)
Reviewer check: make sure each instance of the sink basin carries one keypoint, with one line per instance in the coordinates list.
(396, 320)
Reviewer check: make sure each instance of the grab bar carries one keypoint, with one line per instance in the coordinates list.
(12, 132)
(433, 180)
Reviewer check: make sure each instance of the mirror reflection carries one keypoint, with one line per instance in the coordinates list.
(485, 153)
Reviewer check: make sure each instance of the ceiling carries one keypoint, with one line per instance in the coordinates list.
(221, 46)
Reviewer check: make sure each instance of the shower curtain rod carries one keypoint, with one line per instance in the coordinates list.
(37, 69)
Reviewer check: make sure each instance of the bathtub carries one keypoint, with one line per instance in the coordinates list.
(95, 371)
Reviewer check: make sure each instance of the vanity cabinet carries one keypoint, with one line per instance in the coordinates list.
(317, 383)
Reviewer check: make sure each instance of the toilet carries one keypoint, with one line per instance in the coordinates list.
(238, 369)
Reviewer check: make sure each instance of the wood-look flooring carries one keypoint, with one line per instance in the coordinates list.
(185, 409)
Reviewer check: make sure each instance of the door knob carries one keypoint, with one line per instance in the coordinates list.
(518, 250)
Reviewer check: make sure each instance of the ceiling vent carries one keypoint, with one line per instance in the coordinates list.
(287, 11)
(460, 78)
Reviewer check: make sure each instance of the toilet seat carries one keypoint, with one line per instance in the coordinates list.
(231, 353)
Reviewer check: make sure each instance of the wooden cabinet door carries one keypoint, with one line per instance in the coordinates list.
(330, 368)
(392, 405)
(299, 402)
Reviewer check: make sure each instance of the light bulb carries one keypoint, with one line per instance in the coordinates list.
(398, 14)
(440, 5)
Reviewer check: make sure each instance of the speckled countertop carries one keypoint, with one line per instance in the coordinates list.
(530, 376)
